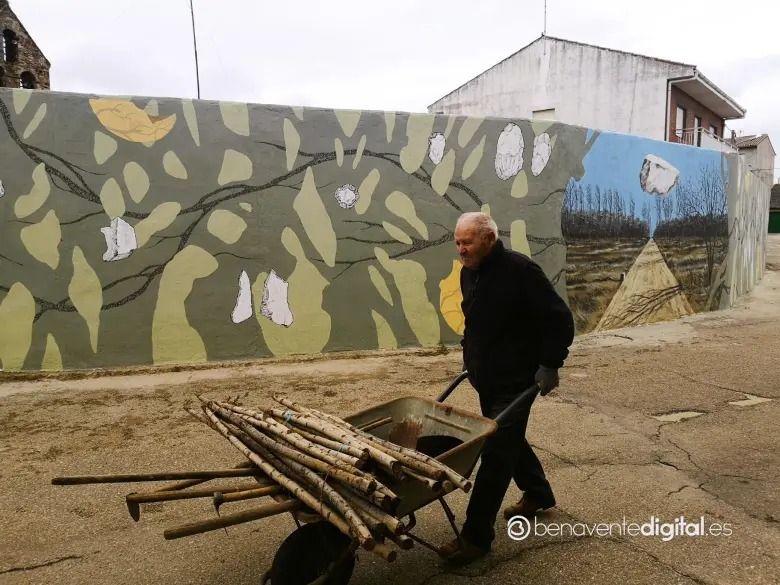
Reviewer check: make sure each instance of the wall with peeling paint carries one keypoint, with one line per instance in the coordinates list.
(148, 231)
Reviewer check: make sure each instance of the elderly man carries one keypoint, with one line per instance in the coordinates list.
(517, 333)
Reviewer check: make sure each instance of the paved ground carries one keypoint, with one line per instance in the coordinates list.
(606, 451)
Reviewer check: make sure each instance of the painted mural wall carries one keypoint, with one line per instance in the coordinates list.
(148, 231)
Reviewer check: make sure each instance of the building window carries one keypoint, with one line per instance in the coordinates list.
(697, 129)
(27, 80)
(544, 114)
(2, 77)
(713, 131)
(679, 125)
(9, 46)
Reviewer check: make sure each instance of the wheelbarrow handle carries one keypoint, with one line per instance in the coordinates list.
(443, 396)
(526, 395)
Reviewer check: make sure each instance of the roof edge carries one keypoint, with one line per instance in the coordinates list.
(620, 51)
(721, 93)
(465, 83)
(559, 39)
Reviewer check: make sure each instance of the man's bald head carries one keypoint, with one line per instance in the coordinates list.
(475, 235)
(479, 221)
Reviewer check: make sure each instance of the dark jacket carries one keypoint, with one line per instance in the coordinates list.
(515, 321)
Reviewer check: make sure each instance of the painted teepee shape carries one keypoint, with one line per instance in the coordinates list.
(649, 293)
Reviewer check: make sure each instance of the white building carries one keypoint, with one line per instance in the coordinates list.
(599, 88)
(759, 154)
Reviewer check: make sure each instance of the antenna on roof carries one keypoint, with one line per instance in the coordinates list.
(195, 45)
(544, 30)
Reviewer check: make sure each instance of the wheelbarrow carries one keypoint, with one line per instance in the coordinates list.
(452, 435)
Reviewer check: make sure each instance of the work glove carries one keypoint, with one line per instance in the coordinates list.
(547, 379)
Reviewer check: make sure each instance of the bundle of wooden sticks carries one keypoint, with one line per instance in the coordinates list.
(309, 462)
(331, 467)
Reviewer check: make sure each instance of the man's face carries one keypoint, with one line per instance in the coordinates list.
(472, 245)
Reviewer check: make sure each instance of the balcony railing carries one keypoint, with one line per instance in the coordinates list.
(703, 138)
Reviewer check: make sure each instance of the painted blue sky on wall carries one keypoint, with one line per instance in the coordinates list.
(615, 161)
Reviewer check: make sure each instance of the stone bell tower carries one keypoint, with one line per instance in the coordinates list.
(22, 63)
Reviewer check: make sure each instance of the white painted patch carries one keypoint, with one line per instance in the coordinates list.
(750, 400)
(275, 306)
(243, 309)
(677, 416)
(2, 189)
(436, 144)
(657, 175)
(347, 196)
(542, 152)
(120, 240)
(509, 152)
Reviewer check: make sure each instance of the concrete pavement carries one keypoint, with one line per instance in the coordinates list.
(607, 438)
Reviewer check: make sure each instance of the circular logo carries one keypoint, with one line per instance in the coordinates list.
(518, 528)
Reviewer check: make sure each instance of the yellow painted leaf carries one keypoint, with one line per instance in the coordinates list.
(418, 131)
(468, 129)
(292, 142)
(450, 299)
(40, 113)
(21, 98)
(348, 120)
(42, 240)
(52, 358)
(366, 190)
(31, 202)
(236, 117)
(111, 199)
(379, 283)
(105, 147)
(236, 166)
(173, 338)
(173, 165)
(518, 237)
(442, 174)
(410, 278)
(396, 233)
(520, 185)
(359, 152)
(17, 311)
(450, 125)
(311, 325)
(192, 120)
(86, 294)
(473, 160)
(400, 204)
(160, 218)
(136, 180)
(126, 120)
(339, 147)
(226, 225)
(315, 219)
(389, 125)
(385, 339)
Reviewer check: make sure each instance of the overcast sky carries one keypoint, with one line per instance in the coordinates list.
(392, 55)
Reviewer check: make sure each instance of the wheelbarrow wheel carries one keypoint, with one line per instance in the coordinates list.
(312, 552)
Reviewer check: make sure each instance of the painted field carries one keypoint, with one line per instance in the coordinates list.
(696, 263)
(593, 275)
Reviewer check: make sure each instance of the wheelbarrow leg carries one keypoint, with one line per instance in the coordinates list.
(450, 516)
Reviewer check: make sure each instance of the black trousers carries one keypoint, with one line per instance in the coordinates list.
(506, 456)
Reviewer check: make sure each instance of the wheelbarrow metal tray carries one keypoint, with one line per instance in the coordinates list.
(413, 418)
